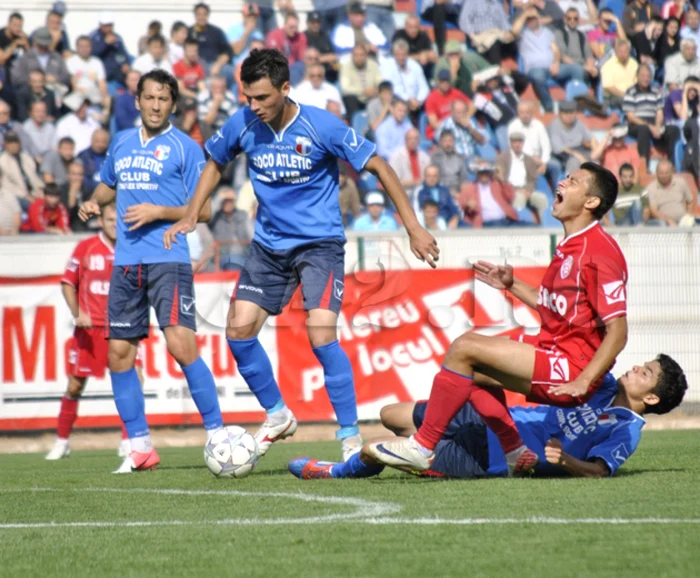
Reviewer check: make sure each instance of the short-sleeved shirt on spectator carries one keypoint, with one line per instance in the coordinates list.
(643, 103)
(416, 45)
(54, 165)
(563, 137)
(226, 108)
(535, 48)
(676, 97)
(440, 105)
(212, 42)
(670, 201)
(190, 74)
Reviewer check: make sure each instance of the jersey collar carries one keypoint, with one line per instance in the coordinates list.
(106, 243)
(578, 233)
(280, 136)
(144, 143)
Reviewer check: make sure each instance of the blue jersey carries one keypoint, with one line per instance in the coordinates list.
(592, 430)
(162, 171)
(294, 173)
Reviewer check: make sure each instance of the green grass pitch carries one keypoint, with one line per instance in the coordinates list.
(181, 521)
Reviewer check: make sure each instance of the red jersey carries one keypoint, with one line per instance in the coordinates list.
(89, 271)
(583, 288)
(189, 74)
(440, 105)
(40, 217)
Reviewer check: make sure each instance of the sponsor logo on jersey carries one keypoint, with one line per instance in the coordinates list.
(553, 301)
(565, 269)
(304, 146)
(614, 292)
(559, 369)
(607, 419)
(162, 152)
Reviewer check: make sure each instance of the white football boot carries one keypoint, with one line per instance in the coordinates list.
(350, 446)
(275, 428)
(124, 448)
(60, 450)
(405, 454)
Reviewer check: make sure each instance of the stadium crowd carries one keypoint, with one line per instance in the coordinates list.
(480, 107)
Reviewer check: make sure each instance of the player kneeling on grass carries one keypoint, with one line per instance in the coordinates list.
(591, 440)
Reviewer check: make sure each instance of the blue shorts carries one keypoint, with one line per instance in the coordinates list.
(463, 452)
(134, 289)
(269, 278)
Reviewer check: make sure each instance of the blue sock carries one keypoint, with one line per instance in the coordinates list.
(340, 386)
(355, 468)
(203, 390)
(131, 404)
(255, 367)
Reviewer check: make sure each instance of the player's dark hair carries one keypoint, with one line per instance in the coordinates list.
(15, 16)
(603, 184)
(179, 25)
(156, 38)
(159, 76)
(201, 5)
(52, 189)
(385, 85)
(265, 63)
(447, 132)
(626, 167)
(66, 139)
(670, 388)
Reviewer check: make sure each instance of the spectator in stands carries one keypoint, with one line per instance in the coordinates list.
(111, 50)
(93, 158)
(671, 202)
(232, 229)
(47, 214)
(155, 28)
(215, 106)
(321, 41)
(358, 30)
(380, 12)
(644, 110)
(520, 171)
(668, 44)
(292, 43)
(10, 213)
(9, 125)
(18, 172)
(488, 201)
(451, 164)
(79, 125)
(434, 191)
(74, 194)
(682, 65)
(631, 206)
(406, 76)
(462, 66)
(618, 74)
(13, 43)
(125, 113)
(40, 131)
(438, 104)
(497, 101)
(214, 50)
(349, 196)
(40, 57)
(636, 14)
(187, 119)
(486, 25)
(189, 72)
(376, 218)
(35, 91)
(602, 38)
(59, 38)
(392, 131)
(541, 57)
(680, 105)
(155, 58)
(420, 48)
(332, 12)
(536, 145)
(573, 46)
(359, 80)
(240, 35)
(645, 41)
(88, 73)
(587, 11)
(379, 107)
(176, 45)
(409, 161)
(571, 140)
(550, 12)
(316, 91)
(462, 124)
(691, 28)
(429, 216)
(613, 151)
(54, 168)
(440, 13)
(673, 9)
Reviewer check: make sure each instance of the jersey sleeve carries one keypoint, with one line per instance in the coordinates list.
(108, 175)
(343, 142)
(71, 275)
(606, 283)
(225, 144)
(618, 447)
(192, 168)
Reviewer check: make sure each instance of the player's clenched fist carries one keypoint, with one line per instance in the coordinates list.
(183, 226)
(424, 246)
(553, 451)
(88, 209)
(497, 276)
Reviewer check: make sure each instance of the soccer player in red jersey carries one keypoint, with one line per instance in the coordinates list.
(85, 285)
(582, 304)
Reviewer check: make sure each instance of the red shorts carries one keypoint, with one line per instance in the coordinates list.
(88, 353)
(554, 368)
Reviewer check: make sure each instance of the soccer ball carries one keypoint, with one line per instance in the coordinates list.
(231, 453)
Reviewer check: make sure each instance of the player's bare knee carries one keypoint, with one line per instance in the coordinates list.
(320, 336)
(239, 333)
(398, 418)
(121, 356)
(463, 349)
(75, 387)
(182, 351)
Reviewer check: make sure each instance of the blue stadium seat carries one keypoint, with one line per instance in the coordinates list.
(678, 155)
(425, 142)
(543, 187)
(368, 182)
(525, 217)
(360, 122)
(575, 88)
(615, 6)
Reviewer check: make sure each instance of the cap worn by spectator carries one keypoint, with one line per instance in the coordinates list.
(314, 16)
(620, 131)
(483, 76)
(106, 17)
(444, 74)
(251, 9)
(567, 106)
(482, 167)
(356, 8)
(59, 8)
(517, 135)
(453, 47)
(42, 37)
(375, 198)
(75, 100)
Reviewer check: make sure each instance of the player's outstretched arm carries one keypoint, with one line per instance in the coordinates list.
(102, 196)
(501, 277)
(423, 244)
(210, 177)
(573, 466)
(613, 343)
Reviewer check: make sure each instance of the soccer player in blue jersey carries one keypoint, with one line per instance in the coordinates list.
(152, 171)
(299, 239)
(591, 440)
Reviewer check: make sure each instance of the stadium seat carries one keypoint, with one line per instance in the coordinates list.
(360, 122)
(425, 143)
(368, 182)
(615, 6)
(575, 88)
(678, 155)
(543, 187)
(525, 217)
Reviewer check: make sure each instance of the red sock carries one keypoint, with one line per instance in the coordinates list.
(450, 392)
(490, 404)
(67, 417)
(125, 435)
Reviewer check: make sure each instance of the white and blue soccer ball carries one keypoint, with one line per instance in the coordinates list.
(231, 452)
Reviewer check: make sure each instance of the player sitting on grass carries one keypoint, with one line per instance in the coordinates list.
(591, 440)
(583, 307)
